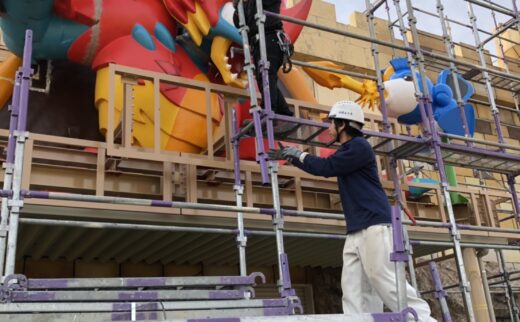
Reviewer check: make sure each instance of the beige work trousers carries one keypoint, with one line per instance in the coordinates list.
(368, 278)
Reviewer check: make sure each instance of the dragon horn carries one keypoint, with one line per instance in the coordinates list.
(299, 11)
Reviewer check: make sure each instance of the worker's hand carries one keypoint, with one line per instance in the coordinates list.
(291, 153)
(284, 153)
(275, 154)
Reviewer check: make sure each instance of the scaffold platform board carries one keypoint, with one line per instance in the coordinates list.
(313, 133)
(125, 299)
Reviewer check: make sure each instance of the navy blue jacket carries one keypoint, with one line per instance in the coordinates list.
(362, 196)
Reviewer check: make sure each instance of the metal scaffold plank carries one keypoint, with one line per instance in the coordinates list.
(126, 295)
(53, 307)
(100, 283)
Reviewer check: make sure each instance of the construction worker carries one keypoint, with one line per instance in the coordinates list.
(368, 278)
(275, 56)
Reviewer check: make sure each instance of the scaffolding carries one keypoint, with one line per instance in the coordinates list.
(233, 296)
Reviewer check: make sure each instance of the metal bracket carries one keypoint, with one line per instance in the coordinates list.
(241, 241)
(264, 65)
(273, 165)
(465, 287)
(21, 136)
(239, 189)
(256, 108)
(15, 282)
(15, 203)
(402, 316)
(8, 168)
(295, 304)
(260, 18)
(279, 222)
(285, 286)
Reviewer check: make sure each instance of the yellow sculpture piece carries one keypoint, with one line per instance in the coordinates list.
(177, 122)
(7, 74)
(369, 95)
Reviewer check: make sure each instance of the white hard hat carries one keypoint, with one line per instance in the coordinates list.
(347, 110)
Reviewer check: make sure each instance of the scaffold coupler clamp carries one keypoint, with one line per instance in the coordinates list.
(279, 222)
(242, 241)
(15, 205)
(239, 189)
(403, 316)
(8, 168)
(400, 254)
(4, 229)
(21, 136)
(286, 289)
(273, 166)
(465, 287)
(295, 304)
(12, 283)
(439, 290)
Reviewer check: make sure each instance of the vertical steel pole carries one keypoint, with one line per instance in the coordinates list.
(401, 254)
(255, 110)
(390, 28)
(426, 124)
(264, 70)
(485, 74)
(21, 136)
(485, 283)
(440, 293)
(510, 178)
(284, 283)
(514, 194)
(419, 58)
(448, 44)
(510, 295)
(8, 166)
(239, 192)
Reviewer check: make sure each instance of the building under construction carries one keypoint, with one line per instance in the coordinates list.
(119, 217)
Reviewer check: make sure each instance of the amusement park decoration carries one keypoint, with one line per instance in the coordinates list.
(142, 34)
(401, 103)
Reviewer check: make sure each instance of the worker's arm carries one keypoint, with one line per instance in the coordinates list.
(344, 161)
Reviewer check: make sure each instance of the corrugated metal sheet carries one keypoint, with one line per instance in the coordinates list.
(72, 243)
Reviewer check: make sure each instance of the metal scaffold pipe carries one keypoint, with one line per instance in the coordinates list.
(462, 24)
(493, 6)
(390, 45)
(239, 192)
(448, 44)
(227, 231)
(510, 296)
(15, 203)
(485, 74)
(255, 111)
(400, 251)
(425, 96)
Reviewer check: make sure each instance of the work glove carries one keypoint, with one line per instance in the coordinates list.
(285, 153)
